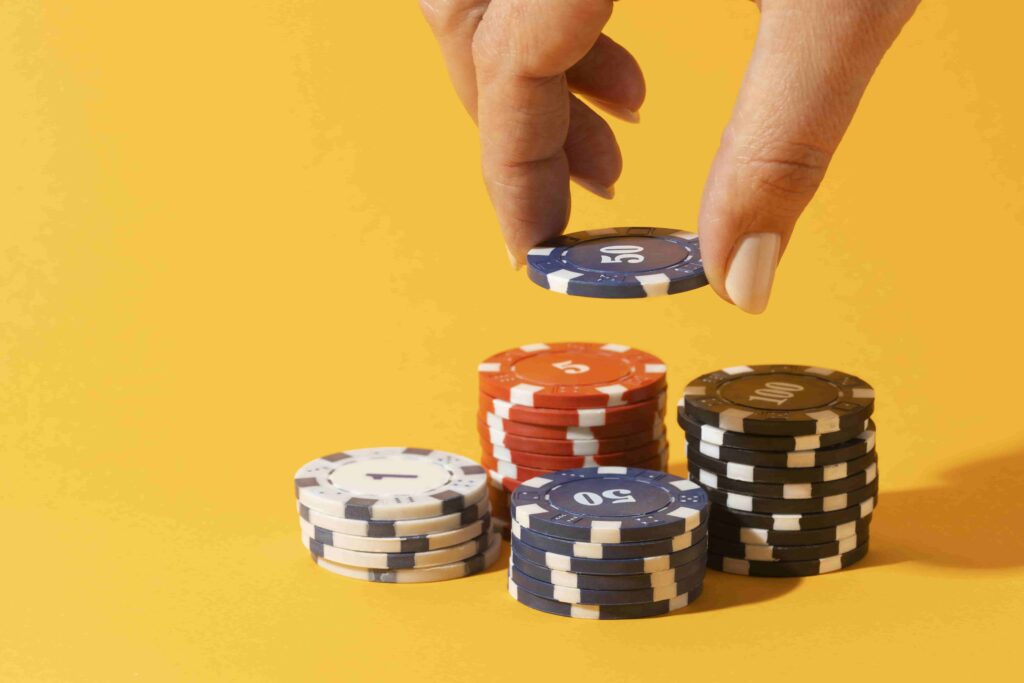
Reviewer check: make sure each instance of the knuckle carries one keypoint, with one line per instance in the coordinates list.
(447, 15)
(790, 171)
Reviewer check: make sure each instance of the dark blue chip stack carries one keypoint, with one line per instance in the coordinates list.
(608, 543)
(787, 456)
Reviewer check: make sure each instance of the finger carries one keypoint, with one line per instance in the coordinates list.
(610, 77)
(521, 51)
(595, 160)
(454, 23)
(607, 73)
(810, 66)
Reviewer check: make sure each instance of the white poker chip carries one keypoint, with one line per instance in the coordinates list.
(391, 483)
(385, 528)
(443, 572)
(429, 558)
(400, 544)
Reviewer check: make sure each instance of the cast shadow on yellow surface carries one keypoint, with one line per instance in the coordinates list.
(972, 520)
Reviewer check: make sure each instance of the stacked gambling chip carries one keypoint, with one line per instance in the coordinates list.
(608, 543)
(787, 456)
(551, 407)
(396, 515)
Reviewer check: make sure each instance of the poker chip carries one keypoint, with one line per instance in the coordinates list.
(583, 565)
(846, 451)
(689, 543)
(641, 453)
(555, 412)
(501, 516)
(577, 611)
(553, 463)
(587, 596)
(580, 417)
(609, 505)
(502, 526)
(507, 470)
(443, 572)
(492, 421)
(776, 553)
(571, 447)
(618, 263)
(753, 536)
(374, 560)
(784, 400)
(732, 565)
(681, 574)
(507, 484)
(745, 503)
(406, 544)
(396, 515)
(392, 483)
(791, 491)
(395, 528)
(755, 442)
(794, 522)
(786, 455)
(781, 475)
(595, 524)
(572, 375)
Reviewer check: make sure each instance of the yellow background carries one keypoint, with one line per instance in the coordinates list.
(235, 236)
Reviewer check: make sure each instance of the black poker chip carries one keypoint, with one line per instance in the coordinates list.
(845, 452)
(779, 400)
(759, 442)
(790, 491)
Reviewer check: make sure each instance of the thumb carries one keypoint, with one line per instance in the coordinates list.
(810, 66)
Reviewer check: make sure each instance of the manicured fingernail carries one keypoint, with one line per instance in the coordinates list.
(752, 271)
(516, 265)
(603, 191)
(619, 112)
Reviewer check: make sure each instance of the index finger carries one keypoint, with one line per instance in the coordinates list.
(522, 50)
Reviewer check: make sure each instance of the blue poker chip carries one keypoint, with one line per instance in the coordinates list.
(619, 263)
(610, 505)
(578, 611)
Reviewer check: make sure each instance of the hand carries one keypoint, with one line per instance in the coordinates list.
(518, 66)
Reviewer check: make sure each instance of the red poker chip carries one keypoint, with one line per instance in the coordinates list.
(567, 447)
(506, 471)
(505, 483)
(564, 462)
(499, 501)
(492, 421)
(572, 375)
(580, 417)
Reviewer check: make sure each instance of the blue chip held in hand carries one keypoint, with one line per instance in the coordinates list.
(619, 263)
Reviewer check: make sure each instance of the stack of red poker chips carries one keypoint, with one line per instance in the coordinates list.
(551, 407)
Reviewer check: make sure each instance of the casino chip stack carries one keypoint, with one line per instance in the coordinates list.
(608, 543)
(787, 456)
(551, 407)
(396, 515)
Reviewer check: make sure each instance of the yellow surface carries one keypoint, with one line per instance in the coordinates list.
(238, 235)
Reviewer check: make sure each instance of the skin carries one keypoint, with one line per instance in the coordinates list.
(533, 75)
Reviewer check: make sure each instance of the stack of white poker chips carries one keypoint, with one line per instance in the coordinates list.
(396, 515)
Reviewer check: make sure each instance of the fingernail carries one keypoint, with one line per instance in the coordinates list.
(516, 265)
(619, 112)
(752, 271)
(603, 191)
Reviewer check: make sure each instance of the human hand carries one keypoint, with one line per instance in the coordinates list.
(518, 66)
